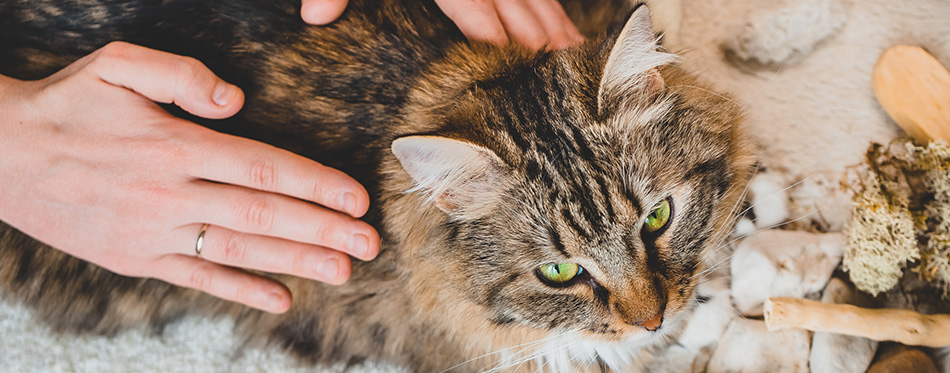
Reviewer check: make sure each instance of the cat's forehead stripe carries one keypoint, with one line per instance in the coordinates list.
(608, 203)
(557, 242)
(549, 138)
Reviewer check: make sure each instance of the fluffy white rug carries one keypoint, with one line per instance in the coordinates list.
(801, 68)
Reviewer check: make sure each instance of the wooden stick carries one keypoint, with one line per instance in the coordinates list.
(914, 89)
(907, 327)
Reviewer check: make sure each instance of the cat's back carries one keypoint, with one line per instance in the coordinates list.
(391, 34)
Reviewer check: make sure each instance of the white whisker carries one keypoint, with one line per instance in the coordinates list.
(781, 191)
(732, 219)
(720, 246)
(504, 350)
(716, 266)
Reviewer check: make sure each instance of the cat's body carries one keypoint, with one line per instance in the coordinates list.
(503, 160)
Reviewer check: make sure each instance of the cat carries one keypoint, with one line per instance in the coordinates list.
(538, 209)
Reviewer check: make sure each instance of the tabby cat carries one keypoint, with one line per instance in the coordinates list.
(557, 201)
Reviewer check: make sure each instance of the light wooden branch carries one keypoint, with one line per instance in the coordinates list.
(907, 327)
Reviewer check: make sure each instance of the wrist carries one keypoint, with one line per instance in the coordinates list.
(6, 83)
(14, 94)
(8, 90)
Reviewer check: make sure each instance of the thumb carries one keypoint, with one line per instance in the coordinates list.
(166, 78)
(321, 12)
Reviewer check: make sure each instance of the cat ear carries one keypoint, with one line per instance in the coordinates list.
(631, 70)
(459, 176)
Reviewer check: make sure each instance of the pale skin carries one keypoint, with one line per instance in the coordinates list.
(533, 23)
(127, 186)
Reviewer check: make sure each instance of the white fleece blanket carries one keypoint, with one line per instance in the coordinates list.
(810, 107)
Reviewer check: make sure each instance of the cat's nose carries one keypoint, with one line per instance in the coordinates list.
(652, 324)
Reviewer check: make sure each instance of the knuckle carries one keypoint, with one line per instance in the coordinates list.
(327, 234)
(321, 193)
(112, 55)
(188, 72)
(301, 261)
(235, 248)
(263, 175)
(258, 214)
(241, 292)
(201, 277)
(115, 49)
(188, 67)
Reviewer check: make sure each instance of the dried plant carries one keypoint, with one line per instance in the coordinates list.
(901, 216)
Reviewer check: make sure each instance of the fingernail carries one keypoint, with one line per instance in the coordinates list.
(223, 92)
(329, 268)
(348, 203)
(359, 245)
(272, 299)
(276, 301)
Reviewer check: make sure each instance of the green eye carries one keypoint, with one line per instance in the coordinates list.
(658, 218)
(559, 273)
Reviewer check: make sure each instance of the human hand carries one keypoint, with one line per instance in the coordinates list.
(94, 167)
(534, 23)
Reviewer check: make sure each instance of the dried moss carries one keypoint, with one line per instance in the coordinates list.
(901, 215)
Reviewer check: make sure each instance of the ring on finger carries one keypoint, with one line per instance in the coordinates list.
(201, 239)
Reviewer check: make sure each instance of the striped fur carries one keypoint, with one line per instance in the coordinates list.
(562, 176)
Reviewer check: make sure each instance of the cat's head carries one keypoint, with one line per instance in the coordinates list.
(577, 190)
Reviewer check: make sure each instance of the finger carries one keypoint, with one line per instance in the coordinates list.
(321, 12)
(521, 23)
(559, 28)
(236, 249)
(572, 30)
(239, 161)
(223, 282)
(166, 78)
(277, 216)
(478, 20)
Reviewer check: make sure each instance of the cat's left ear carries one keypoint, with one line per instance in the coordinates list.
(462, 178)
(631, 71)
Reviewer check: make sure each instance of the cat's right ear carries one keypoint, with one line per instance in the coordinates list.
(631, 70)
(460, 177)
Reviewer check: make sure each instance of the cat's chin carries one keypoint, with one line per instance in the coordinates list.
(619, 351)
(629, 335)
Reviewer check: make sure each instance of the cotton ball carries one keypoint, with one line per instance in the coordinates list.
(711, 317)
(744, 227)
(747, 346)
(823, 257)
(752, 275)
(769, 200)
(820, 197)
(694, 348)
(778, 263)
(831, 352)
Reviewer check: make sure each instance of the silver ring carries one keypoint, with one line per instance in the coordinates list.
(201, 239)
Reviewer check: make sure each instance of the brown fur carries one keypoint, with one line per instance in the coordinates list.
(566, 180)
